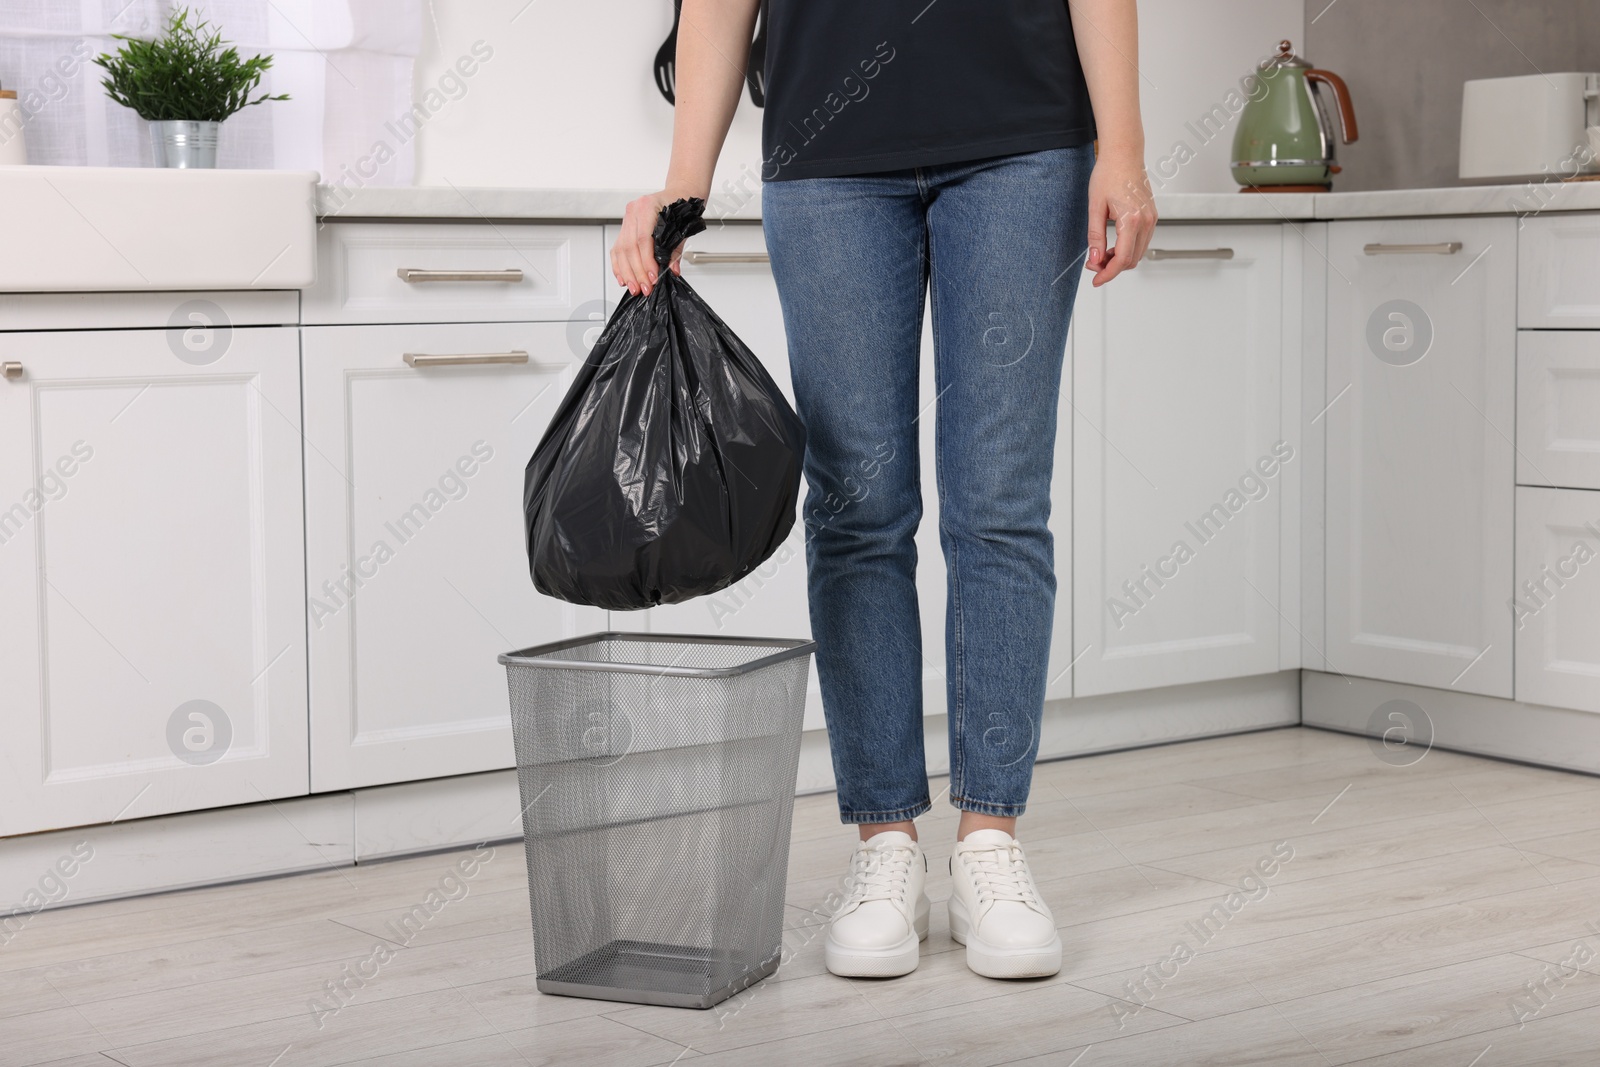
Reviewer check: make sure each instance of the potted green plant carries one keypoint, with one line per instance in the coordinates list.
(184, 83)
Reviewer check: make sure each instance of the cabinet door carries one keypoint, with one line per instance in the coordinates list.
(770, 602)
(1180, 461)
(417, 572)
(1557, 600)
(152, 635)
(1421, 387)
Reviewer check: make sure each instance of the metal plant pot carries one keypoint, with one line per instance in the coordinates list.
(180, 143)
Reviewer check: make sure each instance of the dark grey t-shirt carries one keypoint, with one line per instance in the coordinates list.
(858, 86)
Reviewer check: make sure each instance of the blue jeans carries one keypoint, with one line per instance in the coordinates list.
(1002, 243)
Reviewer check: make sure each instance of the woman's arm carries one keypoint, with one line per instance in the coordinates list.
(713, 48)
(1119, 190)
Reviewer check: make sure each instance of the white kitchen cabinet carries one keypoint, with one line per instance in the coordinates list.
(1181, 459)
(1421, 386)
(932, 575)
(770, 602)
(1558, 408)
(1558, 272)
(1557, 598)
(152, 642)
(1064, 645)
(417, 573)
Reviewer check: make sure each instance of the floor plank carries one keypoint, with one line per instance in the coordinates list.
(1425, 1007)
(1564, 1040)
(1246, 1038)
(1404, 942)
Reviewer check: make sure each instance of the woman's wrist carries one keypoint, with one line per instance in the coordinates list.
(1128, 152)
(678, 185)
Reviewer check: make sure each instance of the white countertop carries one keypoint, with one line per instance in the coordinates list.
(463, 202)
(467, 202)
(1528, 198)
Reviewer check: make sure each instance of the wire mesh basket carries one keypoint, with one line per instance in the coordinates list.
(657, 775)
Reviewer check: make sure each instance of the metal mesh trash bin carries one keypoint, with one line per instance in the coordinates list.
(657, 775)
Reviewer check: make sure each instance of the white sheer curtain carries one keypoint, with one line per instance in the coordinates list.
(346, 64)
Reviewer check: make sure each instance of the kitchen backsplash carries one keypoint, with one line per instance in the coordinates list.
(1405, 64)
(569, 99)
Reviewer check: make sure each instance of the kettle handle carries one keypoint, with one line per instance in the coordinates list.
(1341, 96)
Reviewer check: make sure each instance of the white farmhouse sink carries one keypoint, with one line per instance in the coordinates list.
(82, 229)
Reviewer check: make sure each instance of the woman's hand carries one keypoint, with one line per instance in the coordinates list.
(633, 257)
(1119, 192)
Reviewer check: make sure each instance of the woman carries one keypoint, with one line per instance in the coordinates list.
(916, 147)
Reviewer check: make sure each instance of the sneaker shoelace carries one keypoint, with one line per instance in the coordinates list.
(1001, 873)
(881, 873)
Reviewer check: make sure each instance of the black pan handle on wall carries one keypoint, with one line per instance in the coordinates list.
(666, 67)
(755, 76)
(755, 71)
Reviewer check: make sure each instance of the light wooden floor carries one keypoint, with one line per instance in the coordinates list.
(1421, 906)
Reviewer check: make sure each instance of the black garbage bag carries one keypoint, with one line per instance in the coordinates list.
(672, 467)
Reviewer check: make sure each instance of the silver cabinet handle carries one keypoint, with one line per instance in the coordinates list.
(425, 359)
(417, 274)
(726, 257)
(1442, 248)
(1189, 253)
(11, 369)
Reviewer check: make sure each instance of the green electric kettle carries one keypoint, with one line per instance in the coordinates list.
(1284, 141)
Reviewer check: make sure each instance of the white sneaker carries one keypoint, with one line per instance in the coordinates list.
(996, 911)
(875, 932)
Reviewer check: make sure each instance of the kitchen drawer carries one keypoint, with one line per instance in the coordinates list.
(1558, 408)
(1558, 272)
(526, 272)
(1557, 602)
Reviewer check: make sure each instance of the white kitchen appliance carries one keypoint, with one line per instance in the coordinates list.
(13, 146)
(1535, 126)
